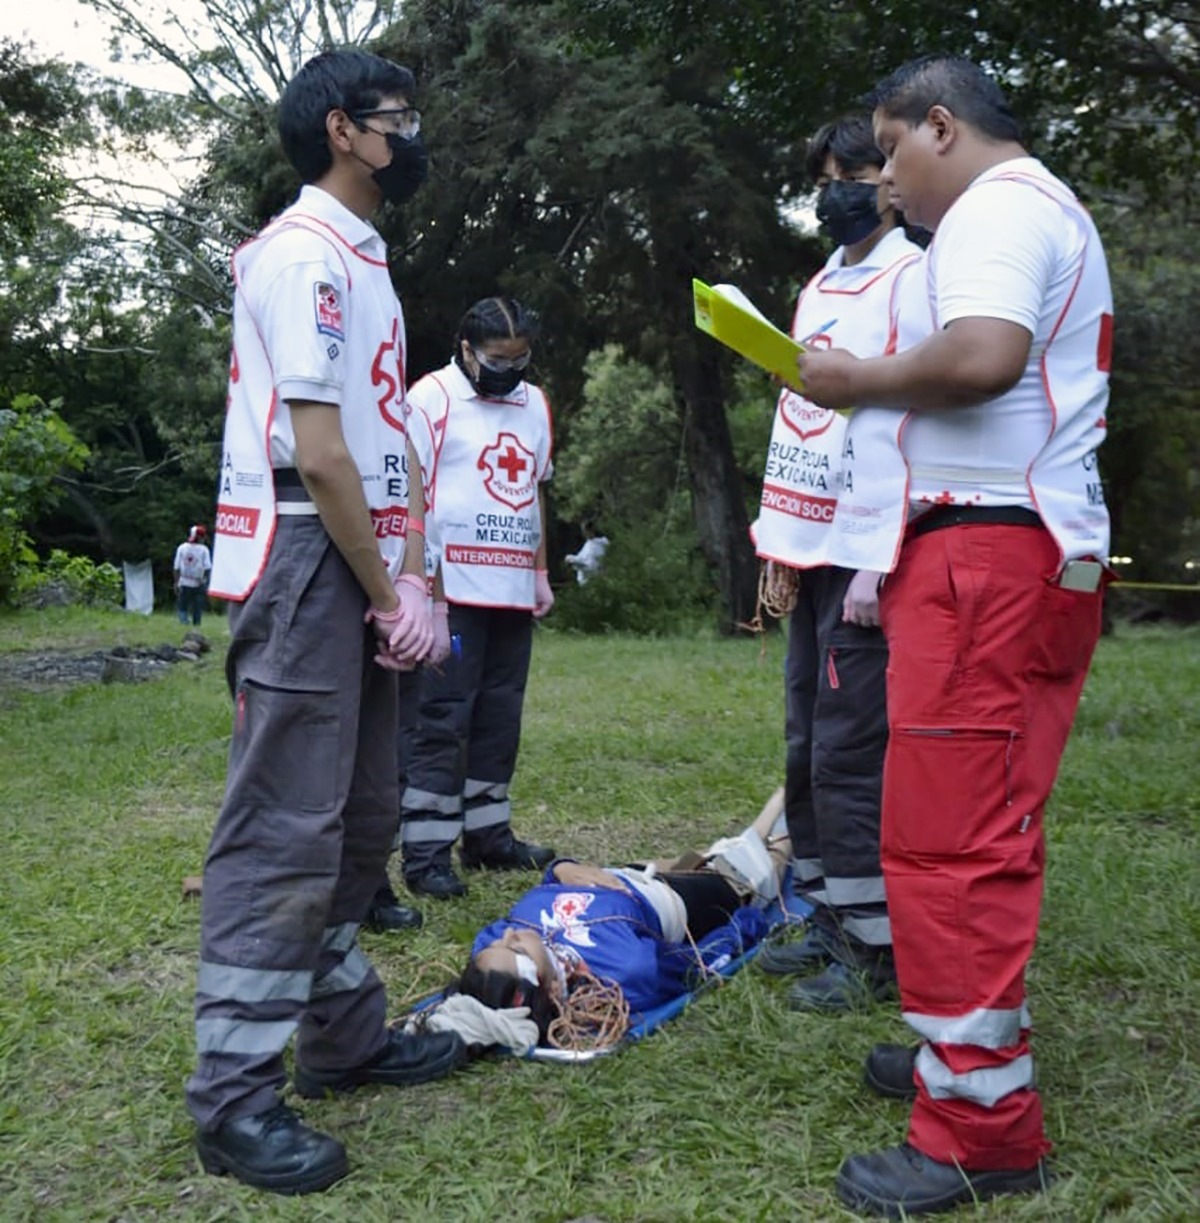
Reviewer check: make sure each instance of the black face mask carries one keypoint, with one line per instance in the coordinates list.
(401, 177)
(849, 211)
(491, 383)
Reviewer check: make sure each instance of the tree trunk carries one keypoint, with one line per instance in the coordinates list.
(718, 500)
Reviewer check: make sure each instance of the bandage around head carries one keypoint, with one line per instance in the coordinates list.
(527, 969)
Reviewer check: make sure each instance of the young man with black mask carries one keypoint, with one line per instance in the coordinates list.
(836, 728)
(319, 545)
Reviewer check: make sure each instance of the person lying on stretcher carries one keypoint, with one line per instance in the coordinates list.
(589, 949)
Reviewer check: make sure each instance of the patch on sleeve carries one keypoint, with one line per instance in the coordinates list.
(328, 306)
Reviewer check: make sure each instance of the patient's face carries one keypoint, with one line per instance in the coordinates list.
(501, 956)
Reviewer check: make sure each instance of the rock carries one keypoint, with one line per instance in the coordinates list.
(117, 670)
(198, 640)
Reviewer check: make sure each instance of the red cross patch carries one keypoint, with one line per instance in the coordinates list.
(510, 471)
(328, 307)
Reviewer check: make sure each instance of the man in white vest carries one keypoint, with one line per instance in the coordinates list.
(319, 546)
(991, 616)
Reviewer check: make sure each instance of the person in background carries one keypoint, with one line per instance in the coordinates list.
(589, 560)
(991, 615)
(320, 547)
(484, 437)
(835, 690)
(193, 564)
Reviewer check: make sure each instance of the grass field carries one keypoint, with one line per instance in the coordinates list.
(739, 1110)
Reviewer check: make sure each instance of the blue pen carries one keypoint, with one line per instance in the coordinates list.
(823, 327)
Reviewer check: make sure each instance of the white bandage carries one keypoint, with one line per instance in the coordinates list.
(478, 1024)
(744, 861)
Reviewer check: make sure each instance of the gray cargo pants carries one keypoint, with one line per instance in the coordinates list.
(301, 842)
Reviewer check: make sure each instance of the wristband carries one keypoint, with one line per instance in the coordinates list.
(414, 580)
(545, 573)
(388, 617)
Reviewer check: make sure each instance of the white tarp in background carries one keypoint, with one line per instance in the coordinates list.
(139, 587)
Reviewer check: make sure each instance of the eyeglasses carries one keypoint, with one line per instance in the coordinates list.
(405, 120)
(501, 365)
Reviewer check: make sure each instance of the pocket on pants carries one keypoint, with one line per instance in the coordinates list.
(1064, 633)
(949, 791)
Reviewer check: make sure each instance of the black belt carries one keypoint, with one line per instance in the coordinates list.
(290, 491)
(972, 515)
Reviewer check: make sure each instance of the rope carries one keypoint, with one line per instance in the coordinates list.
(595, 1015)
(778, 587)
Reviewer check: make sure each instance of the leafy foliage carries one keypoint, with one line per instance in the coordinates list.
(36, 445)
(64, 578)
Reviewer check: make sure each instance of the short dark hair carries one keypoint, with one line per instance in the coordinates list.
(497, 318)
(346, 80)
(850, 140)
(952, 81)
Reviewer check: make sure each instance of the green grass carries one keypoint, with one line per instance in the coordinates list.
(739, 1110)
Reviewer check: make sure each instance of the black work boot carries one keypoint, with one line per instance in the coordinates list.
(404, 1060)
(502, 852)
(902, 1181)
(273, 1150)
(387, 915)
(888, 1071)
(438, 881)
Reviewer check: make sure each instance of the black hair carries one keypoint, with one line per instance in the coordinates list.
(952, 81)
(501, 990)
(850, 140)
(348, 80)
(496, 318)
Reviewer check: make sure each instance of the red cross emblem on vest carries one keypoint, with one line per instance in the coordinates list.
(509, 469)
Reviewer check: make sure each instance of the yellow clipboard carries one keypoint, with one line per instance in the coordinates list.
(725, 313)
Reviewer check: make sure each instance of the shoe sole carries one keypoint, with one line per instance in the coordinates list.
(981, 1187)
(220, 1165)
(312, 1087)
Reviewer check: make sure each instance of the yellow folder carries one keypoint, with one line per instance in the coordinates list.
(725, 313)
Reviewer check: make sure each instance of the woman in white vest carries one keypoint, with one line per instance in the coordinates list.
(483, 435)
(837, 657)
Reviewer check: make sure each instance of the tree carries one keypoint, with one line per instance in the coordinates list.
(36, 446)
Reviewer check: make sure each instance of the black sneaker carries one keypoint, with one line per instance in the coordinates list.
(403, 1061)
(273, 1150)
(439, 881)
(888, 1071)
(506, 854)
(387, 914)
(839, 989)
(902, 1181)
(816, 949)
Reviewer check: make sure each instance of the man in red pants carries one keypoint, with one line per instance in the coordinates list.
(991, 616)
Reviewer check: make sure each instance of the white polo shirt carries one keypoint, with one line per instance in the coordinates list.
(1017, 245)
(315, 318)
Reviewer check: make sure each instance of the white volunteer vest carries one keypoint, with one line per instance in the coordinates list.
(814, 460)
(1050, 424)
(483, 461)
(351, 310)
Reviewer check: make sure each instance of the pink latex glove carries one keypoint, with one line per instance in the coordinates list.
(861, 604)
(405, 633)
(441, 635)
(543, 596)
